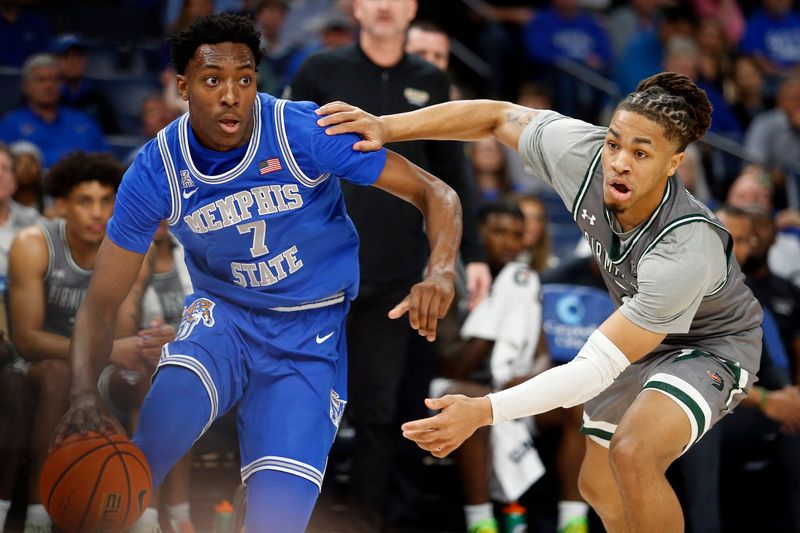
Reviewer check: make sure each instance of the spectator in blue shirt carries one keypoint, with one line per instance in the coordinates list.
(773, 37)
(21, 34)
(44, 122)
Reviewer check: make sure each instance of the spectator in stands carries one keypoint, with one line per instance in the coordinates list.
(430, 42)
(773, 138)
(335, 29)
(564, 31)
(536, 96)
(772, 35)
(13, 217)
(155, 115)
(693, 175)
(535, 238)
(77, 92)
(682, 55)
(629, 19)
(715, 61)
(749, 98)
(501, 344)
(49, 269)
(753, 189)
(55, 130)
(773, 406)
(727, 13)
(489, 168)
(281, 60)
(378, 75)
(644, 54)
(28, 173)
(22, 34)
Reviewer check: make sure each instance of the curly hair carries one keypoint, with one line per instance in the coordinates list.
(80, 167)
(675, 103)
(213, 29)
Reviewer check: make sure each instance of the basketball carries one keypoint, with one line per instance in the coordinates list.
(95, 483)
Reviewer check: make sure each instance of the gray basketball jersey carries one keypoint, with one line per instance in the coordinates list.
(726, 318)
(168, 288)
(65, 282)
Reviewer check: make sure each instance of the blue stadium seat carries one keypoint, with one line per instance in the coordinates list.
(10, 89)
(126, 94)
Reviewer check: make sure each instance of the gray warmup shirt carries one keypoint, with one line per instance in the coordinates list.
(671, 274)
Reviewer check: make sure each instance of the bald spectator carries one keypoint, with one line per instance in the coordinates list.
(774, 136)
(751, 188)
(54, 129)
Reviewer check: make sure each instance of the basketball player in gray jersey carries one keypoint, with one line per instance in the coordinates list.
(49, 267)
(683, 346)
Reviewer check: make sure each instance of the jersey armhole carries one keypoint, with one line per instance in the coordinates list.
(172, 179)
(51, 251)
(286, 150)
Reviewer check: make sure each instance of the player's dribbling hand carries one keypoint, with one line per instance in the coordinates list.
(86, 413)
(342, 117)
(460, 416)
(426, 303)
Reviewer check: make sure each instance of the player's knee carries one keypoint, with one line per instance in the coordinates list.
(591, 490)
(53, 378)
(629, 454)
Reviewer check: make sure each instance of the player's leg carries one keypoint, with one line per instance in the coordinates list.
(289, 413)
(50, 379)
(598, 487)
(175, 493)
(198, 379)
(291, 500)
(474, 460)
(652, 434)
(14, 416)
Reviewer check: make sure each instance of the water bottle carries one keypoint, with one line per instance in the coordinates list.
(223, 517)
(514, 520)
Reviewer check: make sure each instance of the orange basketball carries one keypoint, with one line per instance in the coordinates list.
(95, 483)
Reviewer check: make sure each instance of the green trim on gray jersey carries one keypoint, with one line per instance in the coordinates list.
(684, 398)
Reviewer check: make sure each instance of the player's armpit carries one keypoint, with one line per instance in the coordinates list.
(632, 340)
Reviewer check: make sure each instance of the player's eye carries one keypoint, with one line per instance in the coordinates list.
(640, 154)
(611, 145)
(246, 80)
(211, 81)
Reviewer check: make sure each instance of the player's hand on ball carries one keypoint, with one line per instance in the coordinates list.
(460, 416)
(342, 117)
(86, 413)
(427, 302)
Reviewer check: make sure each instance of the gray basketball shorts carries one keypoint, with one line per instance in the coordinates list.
(705, 386)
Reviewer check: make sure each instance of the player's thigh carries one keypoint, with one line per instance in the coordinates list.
(296, 394)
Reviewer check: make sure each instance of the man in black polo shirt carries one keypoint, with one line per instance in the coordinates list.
(377, 75)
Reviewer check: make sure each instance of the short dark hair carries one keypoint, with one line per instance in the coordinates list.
(428, 27)
(500, 207)
(731, 210)
(675, 103)
(80, 167)
(213, 29)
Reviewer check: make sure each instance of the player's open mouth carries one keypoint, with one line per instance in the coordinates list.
(619, 190)
(229, 125)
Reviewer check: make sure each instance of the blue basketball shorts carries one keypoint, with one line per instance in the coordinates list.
(287, 370)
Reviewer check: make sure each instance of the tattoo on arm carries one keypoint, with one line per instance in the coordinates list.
(520, 118)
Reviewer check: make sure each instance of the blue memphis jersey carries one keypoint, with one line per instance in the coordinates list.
(272, 231)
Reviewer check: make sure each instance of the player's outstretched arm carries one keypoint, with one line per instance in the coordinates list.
(115, 272)
(609, 350)
(428, 300)
(462, 120)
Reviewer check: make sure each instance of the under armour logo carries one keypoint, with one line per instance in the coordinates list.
(591, 218)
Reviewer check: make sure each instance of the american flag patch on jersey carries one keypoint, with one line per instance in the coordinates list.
(269, 165)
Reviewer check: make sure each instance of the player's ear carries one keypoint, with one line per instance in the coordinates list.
(183, 86)
(675, 162)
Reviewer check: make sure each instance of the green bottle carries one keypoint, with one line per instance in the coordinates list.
(514, 519)
(223, 517)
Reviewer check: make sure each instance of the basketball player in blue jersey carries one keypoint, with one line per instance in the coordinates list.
(250, 186)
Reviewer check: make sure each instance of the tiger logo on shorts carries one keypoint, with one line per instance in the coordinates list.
(200, 310)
